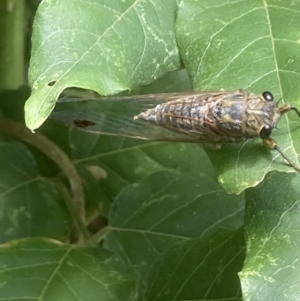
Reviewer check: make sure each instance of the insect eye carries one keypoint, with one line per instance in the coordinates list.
(268, 96)
(265, 132)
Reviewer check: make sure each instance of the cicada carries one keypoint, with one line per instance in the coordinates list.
(203, 117)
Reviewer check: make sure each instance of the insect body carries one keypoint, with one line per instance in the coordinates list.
(205, 117)
(217, 117)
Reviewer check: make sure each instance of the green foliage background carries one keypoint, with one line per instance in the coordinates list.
(173, 230)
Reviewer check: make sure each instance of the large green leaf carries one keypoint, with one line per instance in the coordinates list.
(106, 46)
(39, 269)
(199, 270)
(272, 268)
(163, 210)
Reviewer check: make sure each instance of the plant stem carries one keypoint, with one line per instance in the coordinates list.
(12, 19)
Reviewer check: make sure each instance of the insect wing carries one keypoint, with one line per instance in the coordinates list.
(115, 116)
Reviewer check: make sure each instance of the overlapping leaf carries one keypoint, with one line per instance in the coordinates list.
(105, 46)
(271, 270)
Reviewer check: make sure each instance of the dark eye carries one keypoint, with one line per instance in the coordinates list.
(267, 96)
(265, 132)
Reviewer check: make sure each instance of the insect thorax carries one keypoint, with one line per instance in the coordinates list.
(243, 114)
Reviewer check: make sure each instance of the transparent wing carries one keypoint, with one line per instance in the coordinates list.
(115, 115)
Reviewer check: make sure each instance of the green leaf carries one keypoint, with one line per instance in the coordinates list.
(39, 269)
(105, 46)
(108, 164)
(272, 269)
(164, 209)
(30, 204)
(253, 45)
(199, 270)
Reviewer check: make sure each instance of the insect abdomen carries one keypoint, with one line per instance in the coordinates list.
(177, 114)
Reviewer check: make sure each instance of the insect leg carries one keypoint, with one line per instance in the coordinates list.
(271, 143)
(285, 108)
(295, 109)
